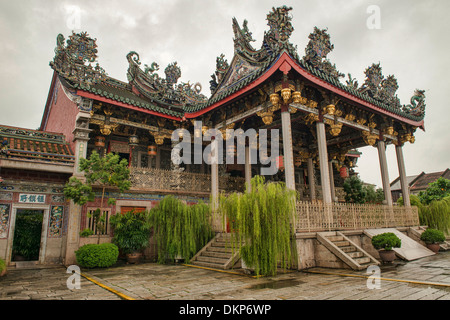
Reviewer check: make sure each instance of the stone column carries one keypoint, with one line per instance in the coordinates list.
(248, 169)
(287, 147)
(214, 172)
(81, 138)
(311, 179)
(384, 172)
(323, 161)
(402, 174)
(333, 191)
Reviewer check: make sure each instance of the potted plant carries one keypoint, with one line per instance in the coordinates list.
(432, 238)
(131, 233)
(385, 243)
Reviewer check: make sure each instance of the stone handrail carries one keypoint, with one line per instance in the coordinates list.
(312, 217)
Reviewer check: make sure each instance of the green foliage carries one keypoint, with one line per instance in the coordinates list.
(354, 191)
(131, 231)
(99, 171)
(436, 191)
(2, 265)
(108, 171)
(97, 255)
(431, 236)
(86, 233)
(386, 241)
(436, 215)
(372, 195)
(413, 199)
(27, 235)
(262, 224)
(179, 229)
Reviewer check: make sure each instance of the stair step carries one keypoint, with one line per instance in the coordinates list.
(208, 264)
(221, 261)
(355, 254)
(335, 238)
(348, 249)
(362, 260)
(341, 243)
(214, 254)
(219, 249)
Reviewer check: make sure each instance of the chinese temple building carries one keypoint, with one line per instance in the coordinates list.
(322, 119)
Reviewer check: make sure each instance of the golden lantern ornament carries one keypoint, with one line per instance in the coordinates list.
(100, 141)
(152, 151)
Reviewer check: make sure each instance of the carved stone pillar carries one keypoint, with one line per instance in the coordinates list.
(332, 188)
(81, 138)
(402, 174)
(384, 172)
(323, 162)
(248, 169)
(311, 179)
(287, 148)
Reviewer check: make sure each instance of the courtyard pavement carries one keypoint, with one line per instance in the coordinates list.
(424, 279)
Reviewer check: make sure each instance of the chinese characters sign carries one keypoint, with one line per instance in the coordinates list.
(32, 198)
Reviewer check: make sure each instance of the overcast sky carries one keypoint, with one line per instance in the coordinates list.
(411, 42)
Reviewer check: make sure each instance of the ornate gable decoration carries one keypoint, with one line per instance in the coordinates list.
(167, 91)
(280, 31)
(384, 90)
(318, 48)
(73, 60)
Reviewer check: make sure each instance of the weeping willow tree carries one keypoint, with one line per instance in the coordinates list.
(262, 225)
(180, 230)
(436, 215)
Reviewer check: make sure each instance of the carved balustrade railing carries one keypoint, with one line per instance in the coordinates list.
(312, 217)
(169, 180)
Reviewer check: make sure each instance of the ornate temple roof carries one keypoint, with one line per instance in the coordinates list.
(147, 90)
(26, 144)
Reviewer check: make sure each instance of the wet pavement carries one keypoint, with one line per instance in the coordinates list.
(424, 279)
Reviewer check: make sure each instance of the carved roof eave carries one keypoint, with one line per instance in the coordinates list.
(285, 57)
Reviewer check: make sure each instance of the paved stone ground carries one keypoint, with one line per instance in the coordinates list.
(178, 282)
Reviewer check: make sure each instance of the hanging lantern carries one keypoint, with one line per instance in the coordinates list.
(280, 163)
(152, 151)
(343, 172)
(133, 141)
(100, 141)
(298, 161)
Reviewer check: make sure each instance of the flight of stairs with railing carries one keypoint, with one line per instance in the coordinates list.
(219, 253)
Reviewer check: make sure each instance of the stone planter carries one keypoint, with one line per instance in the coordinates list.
(134, 257)
(3, 273)
(433, 247)
(387, 256)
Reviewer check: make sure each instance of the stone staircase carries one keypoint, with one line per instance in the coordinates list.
(346, 250)
(217, 254)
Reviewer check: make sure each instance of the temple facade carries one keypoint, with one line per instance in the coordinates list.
(298, 106)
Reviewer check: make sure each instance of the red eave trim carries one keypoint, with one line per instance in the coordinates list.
(247, 88)
(89, 95)
(47, 103)
(345, 94)
(279, 63)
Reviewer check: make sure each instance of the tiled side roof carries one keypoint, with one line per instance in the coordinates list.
(425, 179)
(121, 92)
(18, 143)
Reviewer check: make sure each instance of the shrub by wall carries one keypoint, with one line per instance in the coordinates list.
(97, 255)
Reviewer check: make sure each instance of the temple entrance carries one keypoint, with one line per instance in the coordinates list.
(27, 235)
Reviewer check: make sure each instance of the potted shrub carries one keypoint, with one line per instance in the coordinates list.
(432, 238)
(385, 243)
(131, 233)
